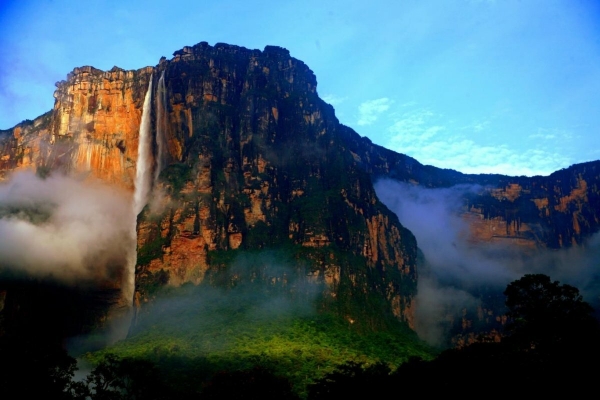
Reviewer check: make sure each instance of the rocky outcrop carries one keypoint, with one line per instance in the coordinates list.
(256, 161)
(92, 130)
(21, 146)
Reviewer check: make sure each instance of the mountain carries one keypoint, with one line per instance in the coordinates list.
(242, 156)
(555, 211)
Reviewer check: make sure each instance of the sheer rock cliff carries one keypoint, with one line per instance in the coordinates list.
(248, 157)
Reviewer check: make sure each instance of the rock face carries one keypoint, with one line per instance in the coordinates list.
(248, 157)
(254, 160)
(521, 218)
(559, 210)
(92, 130)
(22, 146)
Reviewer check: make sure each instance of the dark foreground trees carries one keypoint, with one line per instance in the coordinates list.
(551, 348)
(548, 317)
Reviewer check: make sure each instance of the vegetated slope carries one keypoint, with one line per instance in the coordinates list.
(262, 316)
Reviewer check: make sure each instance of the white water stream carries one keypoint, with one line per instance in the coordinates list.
(143, 183)
(122, 317)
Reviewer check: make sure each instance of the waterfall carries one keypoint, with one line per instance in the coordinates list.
(143, 180)
(122, 316)
(161, 126)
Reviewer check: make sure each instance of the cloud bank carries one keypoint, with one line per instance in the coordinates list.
(460, 275)
(256, 289)
(64, 229)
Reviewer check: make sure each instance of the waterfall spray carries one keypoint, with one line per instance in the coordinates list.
(161, 126)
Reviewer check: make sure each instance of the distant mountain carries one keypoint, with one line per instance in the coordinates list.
(243, 156)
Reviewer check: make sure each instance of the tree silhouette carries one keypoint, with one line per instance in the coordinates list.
(546, 315)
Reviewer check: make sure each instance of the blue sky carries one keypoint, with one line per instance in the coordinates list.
(500, 86)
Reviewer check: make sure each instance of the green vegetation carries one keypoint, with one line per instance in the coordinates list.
(551, 342)
(547, 318)
(207, 343)
(301, 350)
(177, 175)
(256, 311)
(150, 251)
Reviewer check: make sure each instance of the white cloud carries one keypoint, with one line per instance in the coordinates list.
(369, 111)
(541, 136)
(552, 134)
(480, 126)
(418, 133)
(408, 104)
(333, 99)
(413, 124)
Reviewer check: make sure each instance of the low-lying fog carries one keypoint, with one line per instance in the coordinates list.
(456, 271)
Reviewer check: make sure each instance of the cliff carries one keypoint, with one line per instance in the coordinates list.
(245, 156)
(555, 211)
(256, 161)
(251, 158)
(92, 130)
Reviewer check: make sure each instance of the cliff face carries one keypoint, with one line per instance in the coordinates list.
(92, 130)
(251, 158)
(256, 161)
(21, 146)
(520, 218)
(559, 210)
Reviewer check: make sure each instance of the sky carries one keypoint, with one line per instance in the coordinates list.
(480, 86)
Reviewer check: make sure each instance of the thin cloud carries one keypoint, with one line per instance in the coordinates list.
(333, 99)
(456, 271)
(420, 134)
(542, 136)
(552, 134)
(369, 111)
(415, 125)
(479, 126)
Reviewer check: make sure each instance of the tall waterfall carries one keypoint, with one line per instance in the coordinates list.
(161, 126)
(143, 181)
(122, 316)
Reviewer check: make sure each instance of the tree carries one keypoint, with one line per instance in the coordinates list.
(257, 383)
(545, 314)
(116, 379)
(354, 380)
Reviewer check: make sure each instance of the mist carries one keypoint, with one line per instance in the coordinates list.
(456, 274)
(256, 289)
(64, 229)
